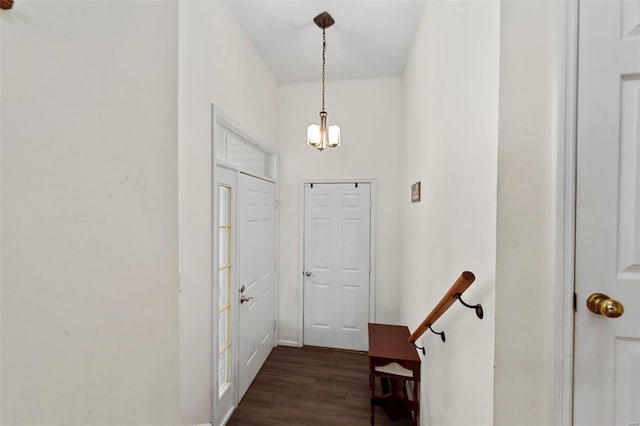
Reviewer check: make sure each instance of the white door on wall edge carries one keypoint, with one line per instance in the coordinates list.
(337, 243)
(607, 350)
(256, 276)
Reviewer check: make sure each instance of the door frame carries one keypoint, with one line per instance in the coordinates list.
(564, 180)
(372, 250)
(221, 119)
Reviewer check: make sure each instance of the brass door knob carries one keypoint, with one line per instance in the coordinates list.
(601, 304)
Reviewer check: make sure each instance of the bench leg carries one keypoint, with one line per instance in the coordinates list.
(372, 385)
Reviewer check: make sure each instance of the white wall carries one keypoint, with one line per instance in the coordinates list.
(525, 255)
(218, 65)
(89, 218)
(370, 115)
(451, 91)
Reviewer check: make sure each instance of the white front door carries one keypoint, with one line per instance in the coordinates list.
(607, 350)
(257, 276)
(337, 235)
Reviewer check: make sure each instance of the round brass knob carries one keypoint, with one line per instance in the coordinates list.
(601, 304)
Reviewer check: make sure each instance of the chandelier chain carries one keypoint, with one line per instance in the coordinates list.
(324, 51)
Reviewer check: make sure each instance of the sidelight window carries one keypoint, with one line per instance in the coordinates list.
(224, 290)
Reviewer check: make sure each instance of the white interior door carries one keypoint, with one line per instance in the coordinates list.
(607, 350)
(337, 239)
(257, 276)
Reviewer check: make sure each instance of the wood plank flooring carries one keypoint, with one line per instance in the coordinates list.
(310, 386)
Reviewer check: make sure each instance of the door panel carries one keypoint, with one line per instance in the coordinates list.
(257, 271)
(629, 209)
(336, 258)
(607, 350)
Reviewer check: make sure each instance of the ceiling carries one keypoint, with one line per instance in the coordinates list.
(370, 39)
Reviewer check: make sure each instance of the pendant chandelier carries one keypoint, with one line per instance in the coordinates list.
(319, 136)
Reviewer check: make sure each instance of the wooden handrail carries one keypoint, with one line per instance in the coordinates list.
(462, 283)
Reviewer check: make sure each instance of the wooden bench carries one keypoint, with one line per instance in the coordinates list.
(395, 362)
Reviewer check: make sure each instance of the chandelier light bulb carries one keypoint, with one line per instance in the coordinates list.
(334, 136)
(313, 135)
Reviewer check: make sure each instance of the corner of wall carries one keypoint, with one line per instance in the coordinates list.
(219, 65)
(526, 201)
(451, 131)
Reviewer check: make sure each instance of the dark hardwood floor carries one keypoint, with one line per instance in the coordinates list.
(310, 386)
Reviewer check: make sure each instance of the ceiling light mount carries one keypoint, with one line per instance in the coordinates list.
(324, 20)
(319, 136)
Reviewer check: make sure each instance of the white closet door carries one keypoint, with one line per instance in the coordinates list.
(607, 350)
(337, 268)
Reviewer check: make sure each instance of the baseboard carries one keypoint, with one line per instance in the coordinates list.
(291, 343)
(227, 417)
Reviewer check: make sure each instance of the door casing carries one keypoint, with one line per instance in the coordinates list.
(564, 181)
(372, 252)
